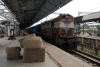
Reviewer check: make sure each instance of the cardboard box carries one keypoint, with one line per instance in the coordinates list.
(13, 56)
(13, 53)
(34, 55)
(33, 44)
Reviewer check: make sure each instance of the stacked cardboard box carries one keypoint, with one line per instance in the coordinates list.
(33, 50)
(34, 55)
(27, 37)
(13, 53)
(33, 37)
(33, 43)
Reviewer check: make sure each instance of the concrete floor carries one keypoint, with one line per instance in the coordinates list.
(54, 57)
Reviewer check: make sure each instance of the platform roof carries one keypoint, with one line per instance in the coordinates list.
(30, 11)
(93, 17)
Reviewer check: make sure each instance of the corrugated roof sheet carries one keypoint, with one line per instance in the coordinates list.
(88, 18)
(92, 16)
(33, 10)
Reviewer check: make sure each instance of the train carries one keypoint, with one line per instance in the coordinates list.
(59, 31)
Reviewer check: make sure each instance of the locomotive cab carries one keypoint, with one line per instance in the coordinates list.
(60, 32)
(64, 26)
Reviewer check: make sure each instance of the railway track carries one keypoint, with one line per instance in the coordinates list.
(90, 59)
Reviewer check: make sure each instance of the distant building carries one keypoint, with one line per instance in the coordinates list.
(90, 26)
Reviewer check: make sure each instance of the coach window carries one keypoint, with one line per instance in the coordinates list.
(52, 24)
(49, 24)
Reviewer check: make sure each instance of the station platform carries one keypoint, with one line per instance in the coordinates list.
(54, 57)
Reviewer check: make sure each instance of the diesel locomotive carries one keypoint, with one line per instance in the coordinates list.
(59, 31)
